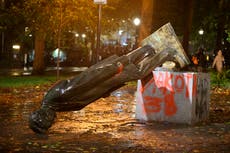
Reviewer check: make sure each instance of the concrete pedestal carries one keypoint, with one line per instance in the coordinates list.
(174, 97)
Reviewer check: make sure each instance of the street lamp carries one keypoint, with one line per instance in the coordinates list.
(136, 22)
(83, 36)
(76, 35)
(16, 47)
(201, 33)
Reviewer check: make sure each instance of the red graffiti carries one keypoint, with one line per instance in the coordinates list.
(194, 93)
(173, 82)
(120, 67)
(153, 104)
(168, 84)
(179, 83)
(170, 106)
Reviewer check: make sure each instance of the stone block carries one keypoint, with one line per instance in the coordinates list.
(174, 97)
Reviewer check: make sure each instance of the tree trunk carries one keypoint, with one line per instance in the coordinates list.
(188, 24)
(221, 23)
(38, 64)
(146, 19)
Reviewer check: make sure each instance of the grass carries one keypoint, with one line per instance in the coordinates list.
(20, 81)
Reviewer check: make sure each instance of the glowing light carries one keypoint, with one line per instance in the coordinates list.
(136, 21)
(76, 35)
(26, 29)
(120, 32)
(83, 35)
(26, 73)
(207, 58)
(15, 74)
(201, 31)
(100, 1)
(62, 55)
(17, 47)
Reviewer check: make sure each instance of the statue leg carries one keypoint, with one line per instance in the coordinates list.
(88, 86)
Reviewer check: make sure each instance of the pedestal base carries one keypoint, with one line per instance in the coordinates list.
(174, 97)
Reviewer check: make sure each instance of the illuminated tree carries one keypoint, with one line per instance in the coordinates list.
(52, 18)
(49, 20)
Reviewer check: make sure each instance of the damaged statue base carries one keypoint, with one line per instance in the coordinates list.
(104, 77)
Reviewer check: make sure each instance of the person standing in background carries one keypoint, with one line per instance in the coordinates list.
(219, 64)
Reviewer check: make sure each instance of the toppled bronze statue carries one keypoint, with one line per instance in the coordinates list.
(108, 75)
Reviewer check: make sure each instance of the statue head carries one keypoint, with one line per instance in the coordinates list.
(41, 120)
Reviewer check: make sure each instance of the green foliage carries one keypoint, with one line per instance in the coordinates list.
(220, 80)
(227, 74)
(228, 33)
(208, 17)
(11, 24)
(56, 15)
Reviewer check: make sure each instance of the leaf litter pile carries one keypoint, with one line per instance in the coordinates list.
(109, 125)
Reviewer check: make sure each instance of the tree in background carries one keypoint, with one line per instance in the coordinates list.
(155, 14)
(49, 19)
(11, 28)
(188, 24)
(146, 19)
(223, 14)
(213, 17)
(187, 18)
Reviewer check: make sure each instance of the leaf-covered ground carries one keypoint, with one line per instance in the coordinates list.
(109, 125)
